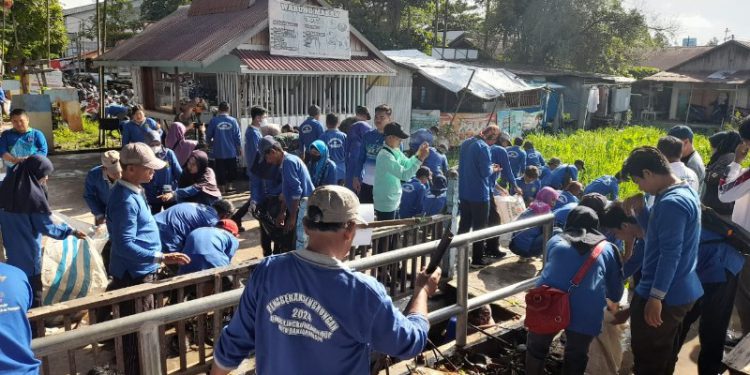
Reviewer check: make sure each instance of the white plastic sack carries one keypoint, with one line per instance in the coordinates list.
(73, 268)
(509, 207)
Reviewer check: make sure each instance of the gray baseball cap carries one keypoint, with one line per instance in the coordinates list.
(337, 205)
(140, 154)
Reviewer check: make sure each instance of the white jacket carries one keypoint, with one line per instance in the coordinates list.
(736, 189)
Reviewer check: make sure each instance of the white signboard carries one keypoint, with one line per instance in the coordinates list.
(308, 31)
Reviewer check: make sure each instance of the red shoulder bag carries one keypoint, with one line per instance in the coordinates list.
(548, 308)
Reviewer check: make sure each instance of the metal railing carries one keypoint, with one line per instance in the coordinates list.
(150, 325)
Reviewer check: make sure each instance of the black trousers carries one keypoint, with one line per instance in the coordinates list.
(714, 310)
(380, 216)
(655, 349)
(226, 170)
(365, 194)
(576, 352)
(474, 216)
(492, 246)
(130, 342)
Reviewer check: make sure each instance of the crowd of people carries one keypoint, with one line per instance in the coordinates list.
(161, 199)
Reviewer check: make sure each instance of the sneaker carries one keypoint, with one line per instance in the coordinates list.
(481, 264)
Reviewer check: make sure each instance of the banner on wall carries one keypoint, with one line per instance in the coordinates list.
(465, 125)
(424, 119)
(517, 121)
(308, 31)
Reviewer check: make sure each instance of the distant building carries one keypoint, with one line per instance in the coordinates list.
(78, 20)
(690, 42)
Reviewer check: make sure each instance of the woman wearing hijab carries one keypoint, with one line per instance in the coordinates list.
(322, 168)
(177, 142)
(566, 253)
(529, 242)
(165, 179)
(197, 183)
(25, 216)
(723, 145)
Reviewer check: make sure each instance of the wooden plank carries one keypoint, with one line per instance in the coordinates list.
(150, 350)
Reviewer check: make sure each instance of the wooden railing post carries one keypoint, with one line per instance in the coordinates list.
(150, 349)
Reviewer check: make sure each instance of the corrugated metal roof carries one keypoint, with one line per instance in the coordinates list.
(203, 7)
(723, 77)
(666, 58)
(262, 61)
(193, 39)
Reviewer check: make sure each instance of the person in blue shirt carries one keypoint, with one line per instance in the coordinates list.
(265, 190)
(517, 157)
(437, 162)
(252, 137)
(15, 330)
(566, 253)
(529, 184)
(498, 156)
(296, 186)
(322, 169)
(533, 157)
(372, 143)
(196, 184)
(326, 318)
(223, 135)
(545, 172)
(136, 248)
(413, 194)
(420, 136)
(608, 186)
(135, 130)
(176, 222)
(21, 141)
(530, 242)
(669, 285)
(571, 194)
(437, 198)
(210, 247)
(474, 190)
(165, 179)
(99, 182)
(310, 131)
(560, 177)
(25, 216)
(118, 111)
(354, 136)
(3, 100)
(337, 148)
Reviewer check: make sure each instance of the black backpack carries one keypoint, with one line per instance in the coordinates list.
(733, 234)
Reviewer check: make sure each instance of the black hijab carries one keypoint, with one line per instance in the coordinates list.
(205, 179)
(22, 192)
(725, 142)
(582, 229)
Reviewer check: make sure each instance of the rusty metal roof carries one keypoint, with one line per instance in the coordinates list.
(741, 77)
(193, 40)
(262, 61)
(203, 7)
(666, 58)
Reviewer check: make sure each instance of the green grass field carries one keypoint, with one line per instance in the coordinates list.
(603, 150)
(68, 140)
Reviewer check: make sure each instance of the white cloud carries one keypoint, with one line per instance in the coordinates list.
(694, 21)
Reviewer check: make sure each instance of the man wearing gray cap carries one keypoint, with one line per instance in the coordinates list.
(136, 247)
(325, 318)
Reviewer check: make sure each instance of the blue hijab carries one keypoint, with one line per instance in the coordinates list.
(22, 192)
(320, 167)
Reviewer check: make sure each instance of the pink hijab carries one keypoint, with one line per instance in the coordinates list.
(544, 201)
(176, 141)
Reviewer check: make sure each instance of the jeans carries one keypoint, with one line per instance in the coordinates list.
(474, 216)
(301, 235)
(365, 194)
(576, 352)
(715, 311)
(655, 349)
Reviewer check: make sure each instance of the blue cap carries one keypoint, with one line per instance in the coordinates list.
(682, 132)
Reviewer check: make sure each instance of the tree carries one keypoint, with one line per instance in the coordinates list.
(26, 30)
(122, 22)
(713, 42)
(154, 10)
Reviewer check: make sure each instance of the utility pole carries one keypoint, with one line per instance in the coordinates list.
(437, 23)
(49, 33)
(726, 34)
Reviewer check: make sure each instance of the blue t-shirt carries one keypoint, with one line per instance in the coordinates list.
(517, 158)
(260, 188)
(420, 136)
(96, 190)
(304, 312)
(529, 189)
(208, 248)
(564, 198)
(22, 145)
(533, 157)
(716, 257)
(22, 239)
(499, 156)
(223, 134)
(252, 138)
(603, 281)
(132, 132)
(336, 142)
(528, 241)
(561, 214)
(606, 186)
(16, 356)
(671, 252)
(309, 131)
(434, 203)
(134, 234)
(168, 175)
(295, 179)
(474, 171)
(178, 221)
(412, 196)
(115, 110)
(372, 143)
(559, 175)
(437, 162)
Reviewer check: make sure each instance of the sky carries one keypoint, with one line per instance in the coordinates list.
(702, 19)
